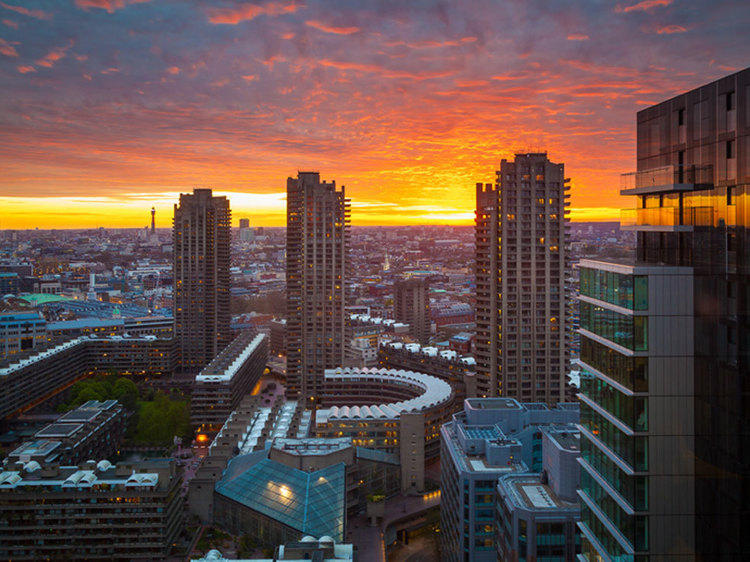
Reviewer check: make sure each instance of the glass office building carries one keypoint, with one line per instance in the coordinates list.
(665, 342)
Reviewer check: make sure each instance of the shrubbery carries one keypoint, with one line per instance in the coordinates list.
(157, 417)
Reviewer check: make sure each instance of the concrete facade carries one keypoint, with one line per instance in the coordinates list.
(489, 439)
(521, 269)
(317, 256)
(201, 248)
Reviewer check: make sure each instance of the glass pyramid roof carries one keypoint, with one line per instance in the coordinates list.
(311, 502)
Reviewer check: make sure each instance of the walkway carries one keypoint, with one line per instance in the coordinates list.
(369, 540)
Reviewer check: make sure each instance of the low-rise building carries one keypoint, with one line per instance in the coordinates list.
(391, 410)
(20, 331)
(324, 549)
(491, 438)
(447, 364)
(221, 385)
(31, 377)
(537, 513)
(90, 511)
(94, 430)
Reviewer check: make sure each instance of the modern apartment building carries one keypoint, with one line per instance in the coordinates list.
(30, 378)
(537, 513)
(521, 269)
(411, 305)
(316, 253)
(93, 511)
(221, 385)
(665, 343)
(201, 241)
(21, 331)
(489, 439)
(93, 430)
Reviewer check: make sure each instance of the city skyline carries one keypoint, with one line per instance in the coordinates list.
(110, 111)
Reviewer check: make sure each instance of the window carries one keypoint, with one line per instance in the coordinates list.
(730, 101)
(730, 150)
(681, 117)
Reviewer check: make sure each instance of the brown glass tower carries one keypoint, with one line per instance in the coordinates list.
(316, 258)
(201, 237)
(665, 384)
(521, 267)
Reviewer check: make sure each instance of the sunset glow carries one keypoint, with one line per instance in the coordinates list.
(112, 106)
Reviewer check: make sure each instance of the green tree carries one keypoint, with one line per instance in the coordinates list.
(126, 391)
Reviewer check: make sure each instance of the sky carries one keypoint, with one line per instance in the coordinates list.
(110, 107)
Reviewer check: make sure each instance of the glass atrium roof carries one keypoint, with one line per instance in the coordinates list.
(311, 502)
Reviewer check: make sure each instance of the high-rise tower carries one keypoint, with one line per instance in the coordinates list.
(317, 261)
(412, 306)
(201, 239)
(521, 269)
(153, 221)
(665, 343)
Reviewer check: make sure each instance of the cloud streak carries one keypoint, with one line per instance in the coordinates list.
(407, 104)
(37, 14)
(337, 30)
(644, 6)
(247, 12)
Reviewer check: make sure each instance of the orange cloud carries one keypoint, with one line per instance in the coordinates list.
(25, 68)
(383, 71)
(247, 12)
(49, 60)
(670, 29)
(38, 14)
(109, 5)
(577, 37)
(331, 28)
(644, 6)
(10, 23)
(173, 69)
(7, 49)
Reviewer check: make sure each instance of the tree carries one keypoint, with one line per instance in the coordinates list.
(126, 392)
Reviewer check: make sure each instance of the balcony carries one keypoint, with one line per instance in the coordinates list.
(666, 178)
(674, 219)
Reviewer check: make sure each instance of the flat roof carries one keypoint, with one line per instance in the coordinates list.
(528, 491)
(493, 403)
(59, 430)
(36, 447)
(312, 446)
(225, 365)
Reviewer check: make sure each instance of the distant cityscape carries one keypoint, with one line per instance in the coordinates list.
(524, 389)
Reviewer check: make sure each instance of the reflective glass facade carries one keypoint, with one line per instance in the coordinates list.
(310, 502)
(630, 448)
(622, 329)
(627, 291)
(630, 372)
(633, 489)
(630, 410)
(691, 209)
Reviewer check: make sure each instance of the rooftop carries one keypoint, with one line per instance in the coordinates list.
(432, 392)
(226, 364)
(310, 502)
(527, 491)
(90, 476)
(493, 403)
(312, 446)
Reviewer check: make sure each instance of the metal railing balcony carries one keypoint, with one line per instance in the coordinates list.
(674, 218)
(666, 178)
